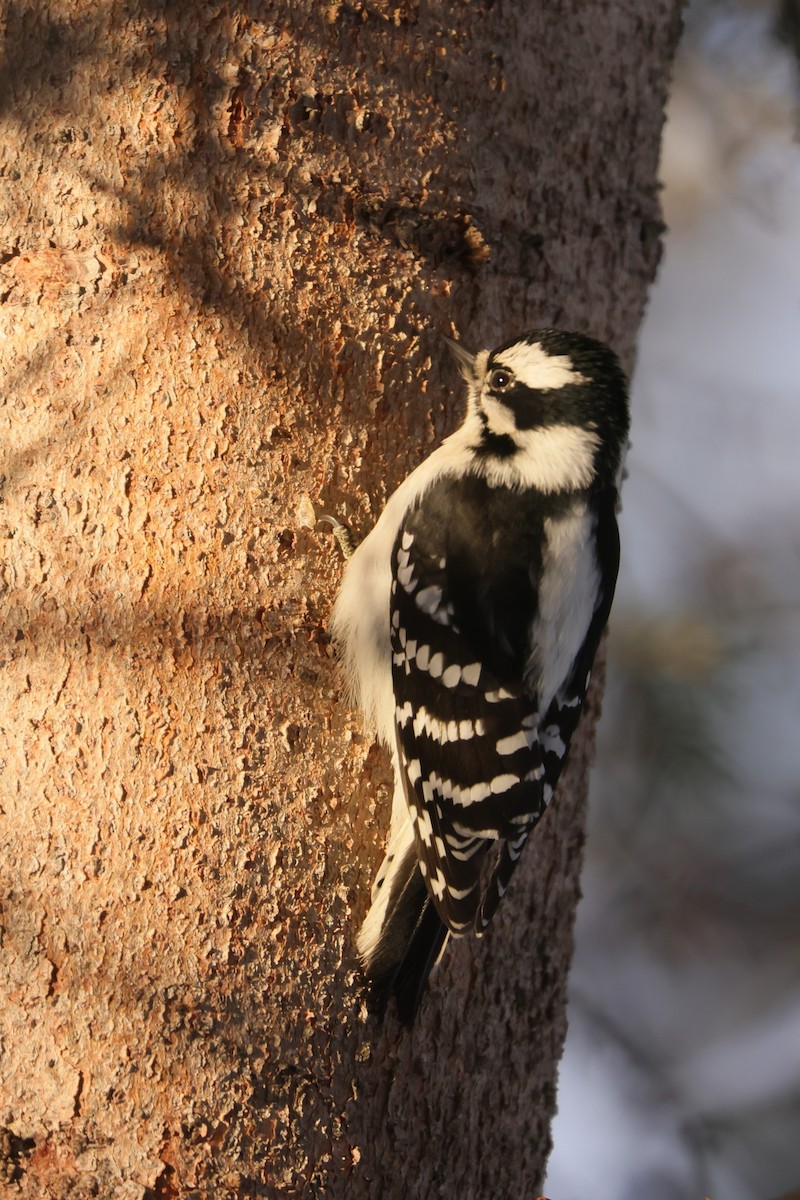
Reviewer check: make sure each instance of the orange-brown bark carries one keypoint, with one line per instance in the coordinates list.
(231, 236)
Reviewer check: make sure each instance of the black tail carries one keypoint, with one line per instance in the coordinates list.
(410, 940)
(422, 952)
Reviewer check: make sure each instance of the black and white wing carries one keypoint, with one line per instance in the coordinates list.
(564, 711)
(479, 758)
(467, 734)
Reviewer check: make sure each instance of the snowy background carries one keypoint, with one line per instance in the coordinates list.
(681, 1078)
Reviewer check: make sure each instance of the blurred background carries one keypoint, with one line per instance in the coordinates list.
(681, 1078)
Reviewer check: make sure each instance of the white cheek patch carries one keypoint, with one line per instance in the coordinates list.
(499, 418)
(551, 459)
(536, 369)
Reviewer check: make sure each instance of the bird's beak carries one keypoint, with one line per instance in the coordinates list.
(464, 360)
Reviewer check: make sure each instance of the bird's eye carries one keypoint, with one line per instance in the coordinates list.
(499, 380)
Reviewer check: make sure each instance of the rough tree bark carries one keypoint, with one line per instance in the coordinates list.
(231, 237)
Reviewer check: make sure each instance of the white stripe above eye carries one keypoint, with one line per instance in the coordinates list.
(535, 368)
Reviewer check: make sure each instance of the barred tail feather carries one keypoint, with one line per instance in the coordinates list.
(397, 899)
(402, 936)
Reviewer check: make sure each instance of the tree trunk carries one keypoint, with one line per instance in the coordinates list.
(232, 237)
